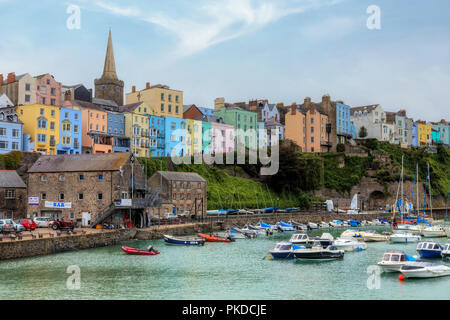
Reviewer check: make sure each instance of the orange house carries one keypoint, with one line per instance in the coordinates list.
(295, 127)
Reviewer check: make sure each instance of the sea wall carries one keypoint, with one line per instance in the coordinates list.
(158, 232)
(35, 247)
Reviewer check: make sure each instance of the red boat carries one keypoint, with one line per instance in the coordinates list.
(139, 252)
(211, 238)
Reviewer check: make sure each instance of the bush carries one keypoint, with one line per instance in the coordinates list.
(340, 147)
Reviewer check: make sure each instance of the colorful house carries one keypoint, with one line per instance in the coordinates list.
(444, 131)
(137, 127)
(424, 133)
(116, 128)
(206, 132)
(70, 132)
(48, 90)
(11, 130)
(296, 127)
(175, 136)
(42, 123)
(343, 122)
(194, 137)
(156, 136)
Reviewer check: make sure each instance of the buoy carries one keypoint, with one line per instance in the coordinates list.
(270, 258)
(401, 277)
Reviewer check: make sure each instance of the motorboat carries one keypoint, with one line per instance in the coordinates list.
(285, 227)
(298, 226)
(403, 226)
(403, 236)
(257, 230)
(247, 232)
(372, 236)
(232, 234)
(353, 233)
(312, 225)
(349, 244)
(418, 228)
(337, 224)
(193, 241)
(393, 260)
(354, 223)
(429, 250)
(366, 223)
(317, 252)
(383, 221)
(324, 240)
(214, 238)
(433, 232)
(424, 269)
(446, 251)
(139, 252)
(324, 225)
(299, 238)
(282, 250)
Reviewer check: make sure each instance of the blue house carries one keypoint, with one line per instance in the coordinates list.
(343, 122)
(70, 132)
(157, 137)
(116, 128)
(415, 135)
(174, 136)
(11, 130)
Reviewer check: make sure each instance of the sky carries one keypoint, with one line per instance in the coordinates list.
(281, 50)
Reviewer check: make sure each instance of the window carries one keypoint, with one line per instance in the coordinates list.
(162, 95)
(43, 89)
(53, 102)
(27, 98)
(170, 108)
(61, 196)
(2, 131)
(41, 137)
(15, 133)
(61, 177)
(99, 196)
(10, 194)
(15, 146)
(43, 196)
(52, 113)
(27, 87)
(162, 107)
(75, 128)
(76, 116)
(81, 177)
(100, 177)
(176, 98)
(80, 196)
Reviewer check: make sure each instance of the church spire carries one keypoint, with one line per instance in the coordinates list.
(109, 70)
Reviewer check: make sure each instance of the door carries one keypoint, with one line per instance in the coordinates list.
(85, 219)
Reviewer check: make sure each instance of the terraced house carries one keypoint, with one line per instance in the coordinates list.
(11, 130)
(137, 127)
(116, 128)
(20, 89)
(175, 137)
(194, 137)
(70, 132)
(156, 136)
(42, 123)
(48, 90)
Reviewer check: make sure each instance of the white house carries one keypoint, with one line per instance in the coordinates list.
(5, 102)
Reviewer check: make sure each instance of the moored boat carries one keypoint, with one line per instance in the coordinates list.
(282, 250)
(298, 226)
(372, 236)
(424, 269)
(393, 260)
(285, 227)
(446, 251)
(313, 225)
(429, 250)
(349, 244)
(193, 241)
(299, 238)
(139, 252)
(433, 232)
(317, 252)
(212, 238)
(404, 237)
(353, 233)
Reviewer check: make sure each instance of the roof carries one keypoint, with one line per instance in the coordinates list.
(17, 78)
(80, 162)
(104, 102)
(212, 119)
(10, 179)
(130, 107)
(185, 176)
(363, 108)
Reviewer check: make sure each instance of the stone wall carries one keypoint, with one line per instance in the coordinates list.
(28, 248)
(176, 230)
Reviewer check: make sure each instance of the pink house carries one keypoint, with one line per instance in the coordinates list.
(48, 90)
(222, 138)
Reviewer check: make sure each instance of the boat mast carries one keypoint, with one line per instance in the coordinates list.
(403, 199)
(446, 207)
(429, 190)
(412, 195)
(425, 197)
(417, 187)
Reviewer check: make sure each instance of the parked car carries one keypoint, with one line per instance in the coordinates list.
(27, 223)
(42, 222)
(19, 227)
(6, 225)
(62, 225)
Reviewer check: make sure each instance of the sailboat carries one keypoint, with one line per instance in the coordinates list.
(354, 205)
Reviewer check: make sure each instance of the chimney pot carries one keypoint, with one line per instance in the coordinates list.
(133, 89)
(147, 85)
(11, 77)
(293, 109)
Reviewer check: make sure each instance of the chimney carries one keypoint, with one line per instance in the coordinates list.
(307, 102)
(1, 79)
(147, 85)
(293, 109)
(133, 89)
(11, 77)
(67, 95)
(326, 98)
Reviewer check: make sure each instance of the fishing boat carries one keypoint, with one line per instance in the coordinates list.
(349, 244)
(298, 226)
(424, 269)
(403, 236)
(372, 236)
(446, 251)
(282, 250)
(139, 252)
(212, 238)
(193, 241)
(299, 238)
(433, 232)
(285, 227)
(313, 225)
(317, 252)
(429, 250)
(393, 260)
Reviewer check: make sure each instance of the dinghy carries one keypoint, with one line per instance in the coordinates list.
(139, 252)
(211, 238)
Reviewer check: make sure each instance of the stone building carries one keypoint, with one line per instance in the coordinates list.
(13, 195)
(186, 190)
(109, 87)
(89, 188)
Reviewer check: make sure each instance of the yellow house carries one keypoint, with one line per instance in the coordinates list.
(424, 134)
(194, 137)
(41, 122)
(137, 127)
(161, 99)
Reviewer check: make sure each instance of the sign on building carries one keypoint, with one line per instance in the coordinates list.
(59, 205)
(33, 200)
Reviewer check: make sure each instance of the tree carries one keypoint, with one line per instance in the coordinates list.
(363, 132)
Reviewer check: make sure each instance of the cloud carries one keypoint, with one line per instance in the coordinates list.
(217, 21)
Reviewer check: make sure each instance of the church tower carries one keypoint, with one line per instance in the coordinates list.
(109, 87)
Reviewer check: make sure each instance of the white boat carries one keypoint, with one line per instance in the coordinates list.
(404, 237)
(372, 236)
(352, 233)
(376, 222)
(446, 251)
(323, 225)
(313, 225)
(337, 224)
(327, 235)
(393, 260)
(435, 231)
(424, 269)
(349, 244)
(403, 226)
(299, 238)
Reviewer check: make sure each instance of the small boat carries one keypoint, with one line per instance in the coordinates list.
(446, 251)
(299, 238)
(139, 252)
(336, 224)
(220, 212)
(246, 233)
(433, 232)
(264, 225)
(354, 223)
(193, 241)
(372, 236)
(270, 210)
(285, 227)
(231, 234)
(402, 236)
(429, 250)
(313, 225)
(353, 233)
(323, 225)
(349, 244)
(393, 260)
(212, 238)
(255, 229)
(324, 242)
(383, 221)
(298, 226)
(418, 228)
(317, 252)
(424, 269)
(282, 250)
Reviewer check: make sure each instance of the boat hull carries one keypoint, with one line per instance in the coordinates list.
(424, 274)
(390, 267)
(185, 242)
(429, 254)
(318, 256)
(139, 252)
(405, 239)
(285, 254)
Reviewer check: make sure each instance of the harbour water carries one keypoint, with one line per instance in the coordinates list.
(239, 270)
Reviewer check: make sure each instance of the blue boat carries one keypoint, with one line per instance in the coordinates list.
(267, 226)
(382, 220)
(286, 227)
(355, 223)
(282, 250)
(194, 241)
(429, 250)
(270, 210)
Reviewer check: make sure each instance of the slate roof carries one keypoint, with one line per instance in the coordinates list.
(363, 108)
(130, 107)
(80, 162)
(10, 179)
(181, 176)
